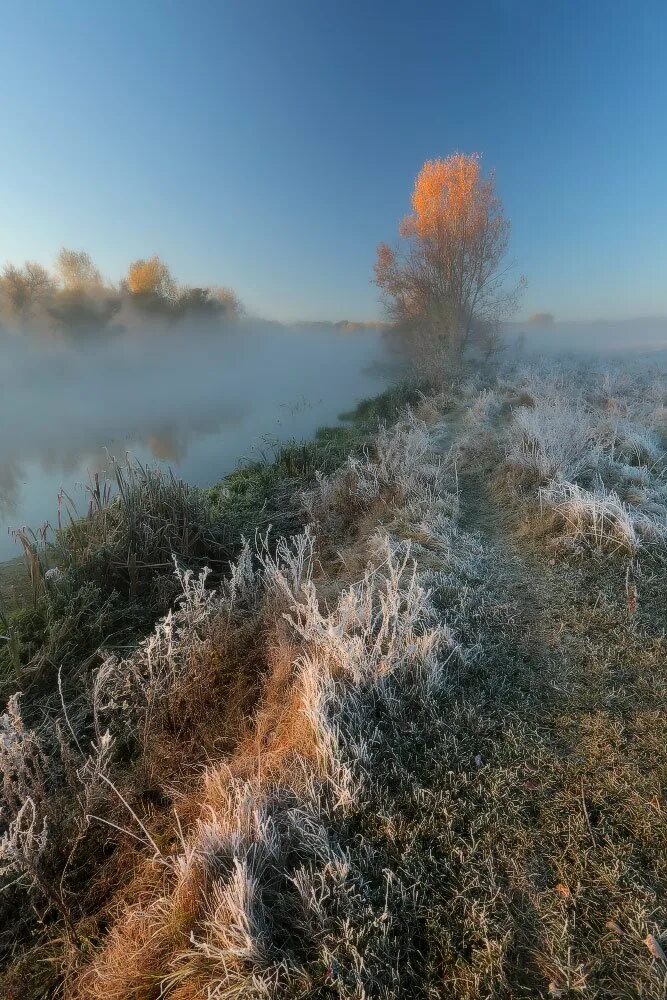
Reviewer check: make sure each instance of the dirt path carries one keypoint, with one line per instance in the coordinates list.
(574, 796)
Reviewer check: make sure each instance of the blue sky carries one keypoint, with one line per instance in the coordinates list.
(271, 145)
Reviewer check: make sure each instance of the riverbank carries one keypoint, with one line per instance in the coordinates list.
(425, 722)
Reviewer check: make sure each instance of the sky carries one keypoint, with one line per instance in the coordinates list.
(270, 146)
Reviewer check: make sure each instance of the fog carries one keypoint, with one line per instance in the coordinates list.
(194, 398)
(645, 335)
(201, 397)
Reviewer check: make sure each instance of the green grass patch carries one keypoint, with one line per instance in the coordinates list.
(116, 564)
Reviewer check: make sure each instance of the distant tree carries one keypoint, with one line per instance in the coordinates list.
(221, 302)
(39, 281)
(78, 302)
(150, 280)
(228, 301)
(77, 313)
(445, 285)
(77, 271)
(82, 304)
(22, 288)
(197, 300)
(15, 291)
(542, 319)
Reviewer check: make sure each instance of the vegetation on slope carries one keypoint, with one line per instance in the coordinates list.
(414, 749)
(109, 577)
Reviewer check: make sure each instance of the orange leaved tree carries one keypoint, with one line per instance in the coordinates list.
(150, 280)
(445, 285)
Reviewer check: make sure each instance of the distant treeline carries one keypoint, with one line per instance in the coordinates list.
(345, 325)
(74, 298)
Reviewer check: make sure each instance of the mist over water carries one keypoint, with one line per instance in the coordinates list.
(200, 399)
(195, 399)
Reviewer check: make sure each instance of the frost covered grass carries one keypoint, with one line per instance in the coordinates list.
(107, 576)
(599, 518)
(244, 752)
(401, 486)
(395, 753)
(181, 699)
(583, 451)
(274, 894)
(277, 896)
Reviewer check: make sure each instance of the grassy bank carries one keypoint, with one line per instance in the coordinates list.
(408, 745)
(112, 572)
(95, 588)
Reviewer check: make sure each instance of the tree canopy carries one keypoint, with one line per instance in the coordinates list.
(446, 279)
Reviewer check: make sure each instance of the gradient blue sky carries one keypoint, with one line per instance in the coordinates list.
(271, 145)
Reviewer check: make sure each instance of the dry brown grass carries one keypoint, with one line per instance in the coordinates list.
(290, 743)
(382, 772)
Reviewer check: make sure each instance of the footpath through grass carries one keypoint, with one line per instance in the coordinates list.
(416, 750)
(560, 775)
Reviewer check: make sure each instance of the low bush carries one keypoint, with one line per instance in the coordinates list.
(585, 459)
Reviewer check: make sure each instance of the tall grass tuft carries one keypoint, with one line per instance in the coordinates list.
(130, 535)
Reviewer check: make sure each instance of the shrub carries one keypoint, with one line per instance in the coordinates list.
(599, 518)
(150, 281)
(46, 800)
(551, 439)
(130, 537)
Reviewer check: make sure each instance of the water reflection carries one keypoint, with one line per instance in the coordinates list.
(197, 400)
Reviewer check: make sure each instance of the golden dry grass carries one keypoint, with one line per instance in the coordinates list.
(382, 792)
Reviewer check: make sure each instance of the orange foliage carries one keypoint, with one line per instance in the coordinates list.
(449, 194)
(150, 278)
(446, 280)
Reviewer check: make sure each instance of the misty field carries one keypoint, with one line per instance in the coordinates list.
(378, 712)
(333, 501)
(400, 731)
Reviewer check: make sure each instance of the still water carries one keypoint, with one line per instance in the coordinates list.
(196, 401)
